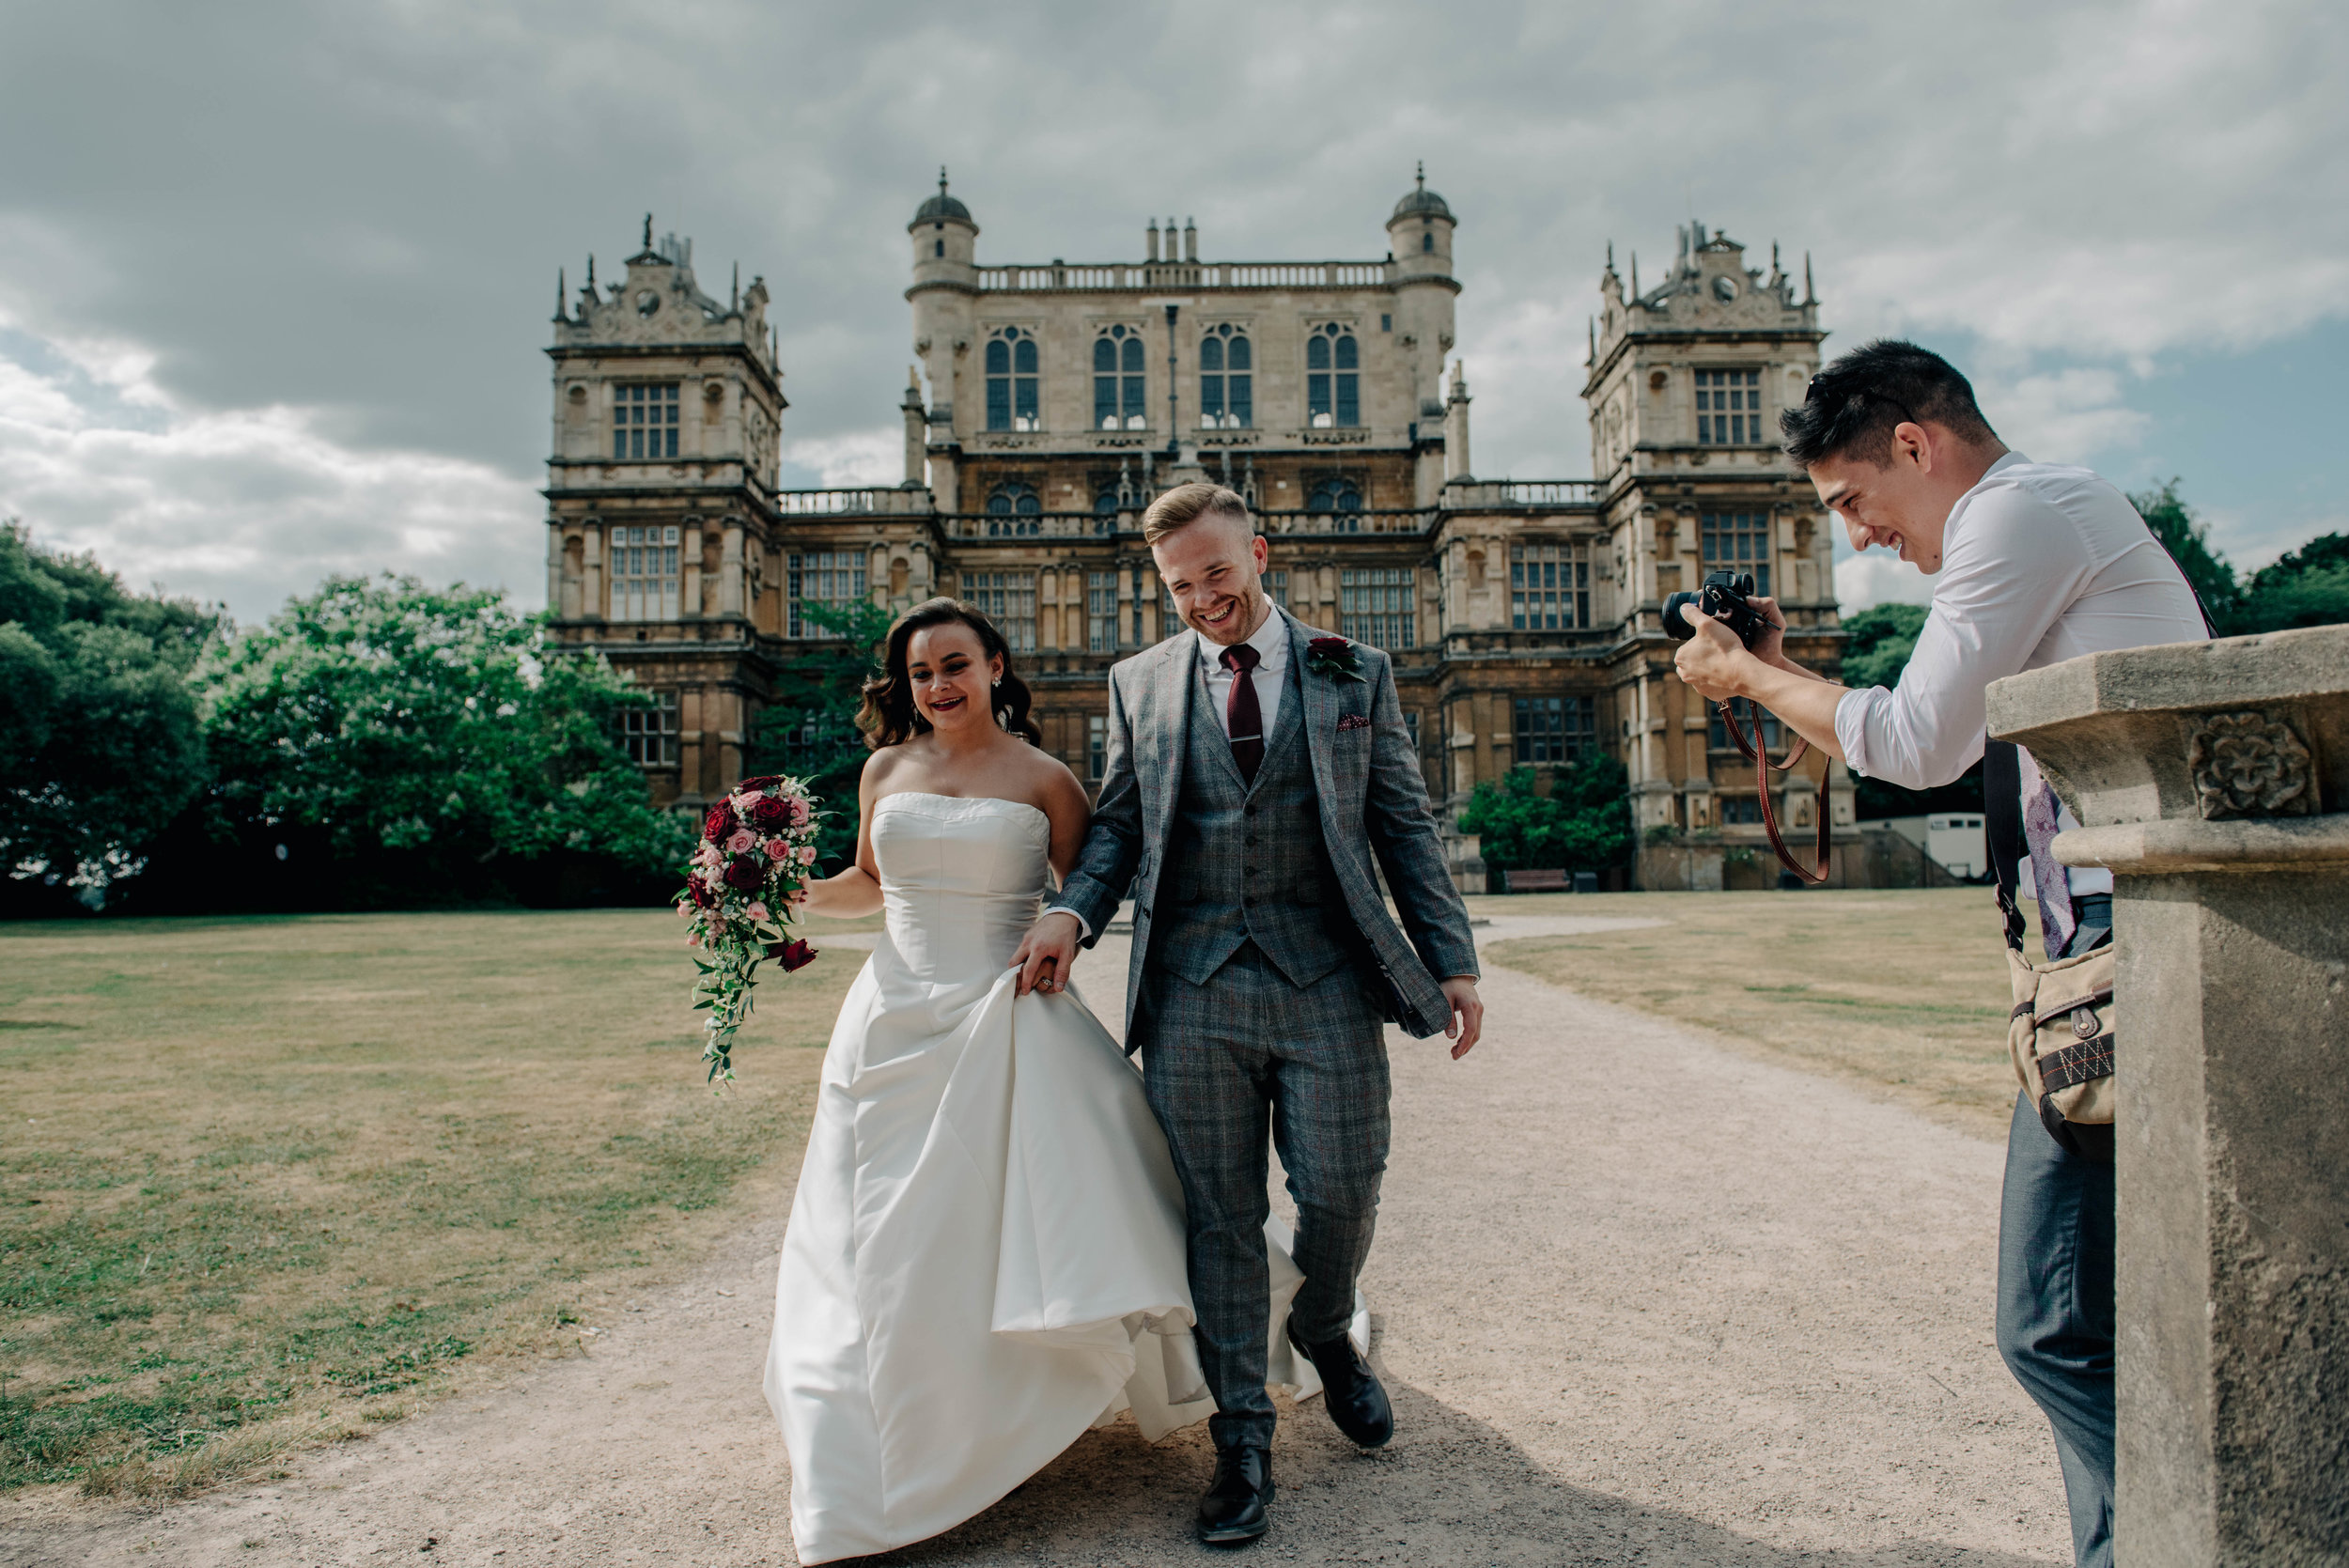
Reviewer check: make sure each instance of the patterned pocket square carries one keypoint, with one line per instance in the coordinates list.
(1354, 722)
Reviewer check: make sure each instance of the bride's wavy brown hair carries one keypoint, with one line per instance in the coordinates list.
(889, 717)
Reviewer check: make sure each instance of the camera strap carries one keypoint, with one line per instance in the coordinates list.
(1763, 767)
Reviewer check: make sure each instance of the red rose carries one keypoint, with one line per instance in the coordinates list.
(1329, 644)
(744, 874)
(770, 813)
(720, 822)
(701, 894)
(791, 955)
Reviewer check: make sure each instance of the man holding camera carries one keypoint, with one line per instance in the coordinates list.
(2034, 564)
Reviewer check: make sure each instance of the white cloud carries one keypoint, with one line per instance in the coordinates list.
(245, 505)
(1879, 578)
(2063, 417)
(847, 461)
(308, 263)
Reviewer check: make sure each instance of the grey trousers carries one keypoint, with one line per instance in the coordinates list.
(1225, 1065)
(2055, 1312)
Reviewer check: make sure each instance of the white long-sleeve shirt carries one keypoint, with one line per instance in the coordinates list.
(2040, 563)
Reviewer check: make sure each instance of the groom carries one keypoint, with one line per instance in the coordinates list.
(1255, 767)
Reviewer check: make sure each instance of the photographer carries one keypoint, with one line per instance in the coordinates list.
(2034, 564)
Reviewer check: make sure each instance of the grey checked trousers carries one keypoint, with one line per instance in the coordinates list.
(1225, 1065)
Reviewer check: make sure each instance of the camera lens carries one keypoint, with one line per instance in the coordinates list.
(1676, 625)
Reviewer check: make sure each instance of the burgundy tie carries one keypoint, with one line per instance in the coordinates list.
(1246, 719)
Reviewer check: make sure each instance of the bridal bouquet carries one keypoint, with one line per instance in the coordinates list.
(757, 848)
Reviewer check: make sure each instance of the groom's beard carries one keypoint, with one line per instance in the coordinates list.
(1248, 614)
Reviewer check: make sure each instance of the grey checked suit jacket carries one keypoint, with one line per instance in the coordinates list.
(1373, 801)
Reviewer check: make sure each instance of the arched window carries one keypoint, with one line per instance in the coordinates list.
(1014, 511)
(1226, 401)
(1427, 240)
(1338, 498)
(1011, 381)
(1332, 386)
(1119, 397)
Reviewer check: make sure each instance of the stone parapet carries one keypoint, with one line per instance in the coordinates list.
(2210, 779)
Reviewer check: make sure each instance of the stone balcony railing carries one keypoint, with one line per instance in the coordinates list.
(894, 501)
(1475, 495)
(1062, 275)
(993, 528)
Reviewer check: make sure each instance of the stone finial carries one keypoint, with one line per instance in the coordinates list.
(647, 231)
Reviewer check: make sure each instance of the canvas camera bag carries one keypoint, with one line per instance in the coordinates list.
(2059, 1032)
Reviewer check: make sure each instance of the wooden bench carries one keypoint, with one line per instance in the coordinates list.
(1549, 881)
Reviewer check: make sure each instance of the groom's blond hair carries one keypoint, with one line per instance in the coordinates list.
(1187, 503)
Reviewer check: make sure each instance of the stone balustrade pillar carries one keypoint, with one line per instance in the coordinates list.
(2213, 780)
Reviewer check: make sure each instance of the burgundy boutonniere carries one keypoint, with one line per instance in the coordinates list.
(1355, 722)
(1334, 656)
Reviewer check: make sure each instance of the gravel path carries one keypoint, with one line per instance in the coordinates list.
(1639, 1300)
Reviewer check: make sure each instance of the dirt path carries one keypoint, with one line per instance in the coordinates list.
(1639, 1299)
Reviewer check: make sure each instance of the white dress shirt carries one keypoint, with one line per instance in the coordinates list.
(2040, 564)
(1271, 643)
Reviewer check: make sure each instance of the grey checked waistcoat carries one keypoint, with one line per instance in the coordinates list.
(1247, 863)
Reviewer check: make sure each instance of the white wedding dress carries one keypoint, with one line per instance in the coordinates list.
(986, 1251)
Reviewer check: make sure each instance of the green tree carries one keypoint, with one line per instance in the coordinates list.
(2308, 586)
(430, 743)
(2187, 538)
(99, 748)
(809, 730)
(1878, 640)
(1582, 824)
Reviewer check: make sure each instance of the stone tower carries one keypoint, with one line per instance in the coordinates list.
(661, 502)
(1685, 383)
(1419, 235)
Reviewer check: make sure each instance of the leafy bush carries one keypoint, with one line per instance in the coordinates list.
(810, 731)
(421, 743)
(99, 741)
(1582, 824)
(1879, 640)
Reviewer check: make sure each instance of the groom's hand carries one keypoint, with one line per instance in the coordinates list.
(1468, 1014)
(1047, 954)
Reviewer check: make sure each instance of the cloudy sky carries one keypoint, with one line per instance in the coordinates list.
(274, 278)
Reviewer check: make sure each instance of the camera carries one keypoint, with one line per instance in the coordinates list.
(1724, 594)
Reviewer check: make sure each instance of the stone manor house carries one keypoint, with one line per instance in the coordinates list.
(1050, 401)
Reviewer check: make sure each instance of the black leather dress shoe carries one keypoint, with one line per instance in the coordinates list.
(1234, 1509)
(1349, 1388)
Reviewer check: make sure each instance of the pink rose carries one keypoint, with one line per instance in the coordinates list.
(740, 840)
(757, 911)
(800, 814)
(744, 803)
(685, 911)
(777, 849)
(807, 854)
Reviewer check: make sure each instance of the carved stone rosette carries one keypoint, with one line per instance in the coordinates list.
(2250, 764)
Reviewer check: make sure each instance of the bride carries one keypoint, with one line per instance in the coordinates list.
(986, 1253)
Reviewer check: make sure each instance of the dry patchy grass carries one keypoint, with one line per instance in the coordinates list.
(1903, 992)
(263, 1181)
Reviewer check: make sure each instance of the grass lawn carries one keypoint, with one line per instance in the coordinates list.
(264, 1181)
(1903, 992)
